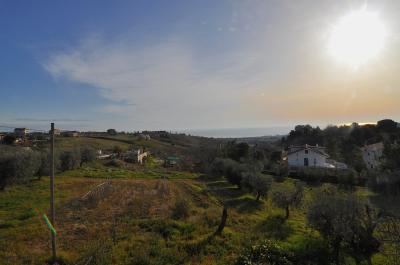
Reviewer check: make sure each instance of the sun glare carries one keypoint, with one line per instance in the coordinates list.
(357, 38)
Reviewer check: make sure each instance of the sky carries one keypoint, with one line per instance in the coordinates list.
(181, 65)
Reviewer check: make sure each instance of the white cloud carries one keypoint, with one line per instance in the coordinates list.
(164, 82)
(264, 72)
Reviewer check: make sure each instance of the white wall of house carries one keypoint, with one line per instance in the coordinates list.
(300, 158)
(372, 155)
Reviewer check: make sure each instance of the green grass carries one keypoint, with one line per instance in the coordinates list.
(161, 239)
(103, 144)
(99, 171)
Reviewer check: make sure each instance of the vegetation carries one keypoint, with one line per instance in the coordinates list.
(346, 223)
(286, 196)
(152, 214)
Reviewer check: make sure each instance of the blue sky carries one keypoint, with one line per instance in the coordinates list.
(136, 65)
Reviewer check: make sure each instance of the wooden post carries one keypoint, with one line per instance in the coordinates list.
(52, 208)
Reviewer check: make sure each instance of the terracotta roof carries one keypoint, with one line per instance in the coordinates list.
(317, 149)
(373, 146)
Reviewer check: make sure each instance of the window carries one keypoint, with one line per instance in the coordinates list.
(306, 162)
(306, 151)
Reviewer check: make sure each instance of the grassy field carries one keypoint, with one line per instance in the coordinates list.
(132, 222)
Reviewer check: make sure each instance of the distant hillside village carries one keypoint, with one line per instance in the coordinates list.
(339, 148)
(25, 138)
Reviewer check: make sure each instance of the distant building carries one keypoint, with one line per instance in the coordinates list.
(144, 136)
(310, 156)
(70, 134)
(2, 135)
(307, 156)
(372, 155)
(20, 132)
(171, 161)
(112, 132)
(136, 156)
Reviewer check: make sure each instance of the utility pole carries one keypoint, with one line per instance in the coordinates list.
(52, 208)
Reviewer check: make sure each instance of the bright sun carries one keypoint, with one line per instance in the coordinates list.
(357, 38)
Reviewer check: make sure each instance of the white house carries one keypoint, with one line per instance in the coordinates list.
(372, 154)
(136, 156)
(308, 156)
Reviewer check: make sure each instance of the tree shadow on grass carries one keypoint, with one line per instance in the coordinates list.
(227, 192)
(245, 205)
(276, 227)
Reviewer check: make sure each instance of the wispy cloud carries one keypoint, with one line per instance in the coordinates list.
(272, 72)
(163, 81)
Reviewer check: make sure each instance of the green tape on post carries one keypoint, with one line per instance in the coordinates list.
(49, 224)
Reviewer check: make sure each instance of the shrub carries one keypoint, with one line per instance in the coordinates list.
(88, 154)
(268, 252)
(18, 166)
(346, 223)
(276, 227)
(181, 209)
(115, 163)
(228, 168)
(310, 250)
(45, 157)
(70, 159)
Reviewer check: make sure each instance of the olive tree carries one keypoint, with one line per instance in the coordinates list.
(70, 159)
(288, 195)
(257, 183)
(88, 154)
(18, 166)
(346, 222)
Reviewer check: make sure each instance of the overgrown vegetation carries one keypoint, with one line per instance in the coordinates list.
(157, 215)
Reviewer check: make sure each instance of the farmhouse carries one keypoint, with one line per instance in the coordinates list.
(372, 155)
(20, 132)
(307, 156)
(70, 134)
(136, 156)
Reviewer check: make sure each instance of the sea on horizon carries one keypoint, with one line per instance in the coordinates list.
(238, 132)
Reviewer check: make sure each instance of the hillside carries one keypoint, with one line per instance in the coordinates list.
(132, 220)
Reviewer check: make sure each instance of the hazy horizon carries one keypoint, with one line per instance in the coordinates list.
(204, 132)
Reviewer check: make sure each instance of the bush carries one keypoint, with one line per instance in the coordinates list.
(115, 163)
(88, 154)
(45, 157)
(346, 223)
(231, 169)
(310, 250)
(276, 227)
(181, 209)
(18, 166)
(70, 159)
(269, 253)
